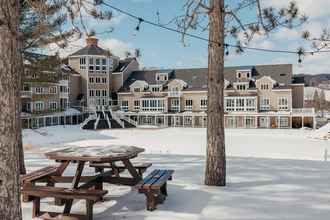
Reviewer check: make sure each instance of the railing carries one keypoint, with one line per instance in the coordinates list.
(303, 111)
(26, 93)
(117, 119)
(128, 119)
(174, 93)
(108, 120)
(90, 117)
(97, 122)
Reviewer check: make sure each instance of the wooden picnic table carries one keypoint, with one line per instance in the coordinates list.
(94, 154)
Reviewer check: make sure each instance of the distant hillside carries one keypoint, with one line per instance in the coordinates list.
(314, 80)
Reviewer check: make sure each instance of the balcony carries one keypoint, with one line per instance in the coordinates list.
(174, 93)
(303, 111)
(26, 94)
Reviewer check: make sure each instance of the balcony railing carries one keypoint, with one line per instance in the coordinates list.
(26, 94)
(302, 111)
(174, 94)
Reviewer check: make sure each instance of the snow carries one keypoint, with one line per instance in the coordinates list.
(272, 174)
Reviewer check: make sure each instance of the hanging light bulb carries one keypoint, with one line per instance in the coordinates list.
(227, 50)
(138, 26)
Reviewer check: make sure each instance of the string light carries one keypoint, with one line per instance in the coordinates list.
(239, 48)
(227, 50)
(140, 22)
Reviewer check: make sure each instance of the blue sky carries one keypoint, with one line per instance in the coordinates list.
(163, 49)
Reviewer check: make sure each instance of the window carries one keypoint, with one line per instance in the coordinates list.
(97, 64)
(97, 79)
(137, 105)
(39, 90)
(162, 77)
(104, 62)
(240, 102)
(91, 79)
(203, 104)
(265, 104)
(264, 86)
(155, 88)
(104, 102)
(83, 63)
(241, 87)
(249, 122)
(53, 105)
(239, 75)
(91, 93)
(104, 80)
(175, 105)
(154, 105)
(283, 103)
(64, 89)
(98, 93)
(137, 90)
(53, 90)
(230, 104)
(91, 64)
(124, 106)
(189, 105)
(250, 104)
(39, 106)
(284, 122)
(104, 93)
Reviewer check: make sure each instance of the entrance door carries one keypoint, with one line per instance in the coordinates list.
(263, 122)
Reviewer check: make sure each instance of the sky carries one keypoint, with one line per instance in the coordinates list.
(164, 49)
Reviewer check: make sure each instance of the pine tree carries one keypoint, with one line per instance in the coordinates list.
(225, 22)
(10, 136)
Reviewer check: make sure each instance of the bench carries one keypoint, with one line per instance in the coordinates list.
(37, 192)
(30, 179)
(154, 186)
(118, 168)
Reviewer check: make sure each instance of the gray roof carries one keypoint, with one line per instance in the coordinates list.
(123, 64)
(197, 78)
(91, 50)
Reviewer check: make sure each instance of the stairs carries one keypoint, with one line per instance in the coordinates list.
(105, 120)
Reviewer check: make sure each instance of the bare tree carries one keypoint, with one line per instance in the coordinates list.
(225, 21)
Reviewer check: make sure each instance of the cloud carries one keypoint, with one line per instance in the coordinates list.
(117, 47)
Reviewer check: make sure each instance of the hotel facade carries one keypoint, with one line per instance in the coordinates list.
(113, 93)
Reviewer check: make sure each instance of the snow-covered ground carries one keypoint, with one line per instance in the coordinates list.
(272, 174)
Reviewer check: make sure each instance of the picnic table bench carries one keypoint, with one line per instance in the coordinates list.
(30, 179)
(37, 192)
(154, 186)
(118, 168)
(89, 188)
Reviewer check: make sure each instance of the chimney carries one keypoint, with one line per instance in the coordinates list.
(91, 41)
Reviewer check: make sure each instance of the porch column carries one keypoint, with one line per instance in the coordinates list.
(268, 122)
(256, 122)
(314, 122)
(193, 121)
(302, 122)
(278, 122)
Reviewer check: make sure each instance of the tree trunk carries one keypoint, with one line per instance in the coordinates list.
(215, 173)
(10, 134)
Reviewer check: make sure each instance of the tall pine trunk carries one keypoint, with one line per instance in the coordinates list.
(215, 173)
(10, 134)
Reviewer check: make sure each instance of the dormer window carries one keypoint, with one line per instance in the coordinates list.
(137, 90)
(243, 74)
(239, 75)
(161, 77)
(83, 63)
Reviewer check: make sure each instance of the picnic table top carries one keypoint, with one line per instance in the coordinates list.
(107, 153)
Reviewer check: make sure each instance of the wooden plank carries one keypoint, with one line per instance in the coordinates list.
(95, 153)
(132, 170)
(74, 185)
(162, 180)
(64, 193)
(121, 166)
(147, 178)
(68, 179)
(92, 182)
(38, 174)
(127, 181)
(152, 180)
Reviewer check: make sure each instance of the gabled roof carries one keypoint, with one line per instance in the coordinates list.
(91, 50)
(196, 79)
